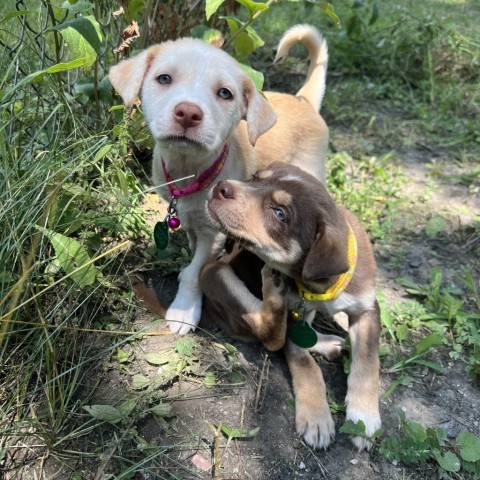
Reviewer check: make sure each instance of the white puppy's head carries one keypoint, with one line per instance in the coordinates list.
(193, 94)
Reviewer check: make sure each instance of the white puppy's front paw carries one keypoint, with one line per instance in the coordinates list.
(372, 423)
(315, 424)
(184, 313)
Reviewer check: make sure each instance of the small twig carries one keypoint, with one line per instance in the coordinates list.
(216, 450)
(262, 384)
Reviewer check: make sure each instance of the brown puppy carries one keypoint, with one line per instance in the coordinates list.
(288, 220)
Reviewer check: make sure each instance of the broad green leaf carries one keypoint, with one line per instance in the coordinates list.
(140, 382)
(234, 25)
(160, 358)
(212, 35)
(469, 446)
(185, 346)
(328, 9)
(123, 356)
(414, 430)
(90, 89)
(430, 341)
(102, 152)
(211, 6)
(83, 38)
(441, 435)
(162, 410)
(256, 77)
(72, 256)
(57, 68)
(253, 7)
(435, 226)
(243, 45)
(107, 413)
(448, 462)
(230, 348)
(352, 428)
(402, 332)
(239, 432)
(127, 407)
(78, 7)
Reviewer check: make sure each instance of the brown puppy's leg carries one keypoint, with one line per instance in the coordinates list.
(362, 394)
(267, 319)
(312, 414)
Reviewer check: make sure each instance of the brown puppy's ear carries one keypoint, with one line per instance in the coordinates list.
(328, 256)
(128, 75)
(260, 116)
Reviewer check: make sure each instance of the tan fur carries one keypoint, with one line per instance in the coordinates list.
(312, 233)
(258, 129)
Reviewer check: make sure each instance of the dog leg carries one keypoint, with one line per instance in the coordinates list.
(267, 319)
(272, 326)
(312, 414)
(184, 313)
(362, 393)
(330, 346)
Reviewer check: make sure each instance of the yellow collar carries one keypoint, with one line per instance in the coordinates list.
(335, 290)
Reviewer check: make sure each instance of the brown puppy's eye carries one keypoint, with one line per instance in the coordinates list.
(164, 79)
(280, 214)
(225, 93)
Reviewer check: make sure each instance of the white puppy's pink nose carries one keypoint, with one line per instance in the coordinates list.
(188, 114)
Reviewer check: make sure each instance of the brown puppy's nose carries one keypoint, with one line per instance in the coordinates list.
(223, 190)
(187, 114)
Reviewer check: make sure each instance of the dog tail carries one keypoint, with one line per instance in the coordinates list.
(314, 88)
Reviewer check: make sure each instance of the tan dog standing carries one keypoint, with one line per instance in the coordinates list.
(209, 121)
(289, 221)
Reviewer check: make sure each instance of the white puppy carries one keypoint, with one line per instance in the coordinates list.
(208, 120)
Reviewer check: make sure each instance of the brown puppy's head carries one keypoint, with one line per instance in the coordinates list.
(287, 218)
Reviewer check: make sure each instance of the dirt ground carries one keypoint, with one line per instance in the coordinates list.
(264, 400)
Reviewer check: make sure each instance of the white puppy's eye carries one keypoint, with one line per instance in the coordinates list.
(225, 93)
(164, 79)
(280, 214)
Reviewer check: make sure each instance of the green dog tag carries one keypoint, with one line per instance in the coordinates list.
(160, 235)
(303, 335)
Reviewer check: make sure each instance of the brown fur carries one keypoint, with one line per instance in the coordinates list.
(307, 241)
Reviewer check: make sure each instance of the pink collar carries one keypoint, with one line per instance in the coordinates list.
(203, 180)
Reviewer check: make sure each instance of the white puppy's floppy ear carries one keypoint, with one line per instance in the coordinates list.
(260, 116)
(128, 75)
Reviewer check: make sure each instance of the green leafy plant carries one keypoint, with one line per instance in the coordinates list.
(416, 444)
(448, 310)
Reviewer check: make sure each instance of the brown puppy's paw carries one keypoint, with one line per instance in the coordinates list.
(330, 346)
(272, 281)
(315, 423)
